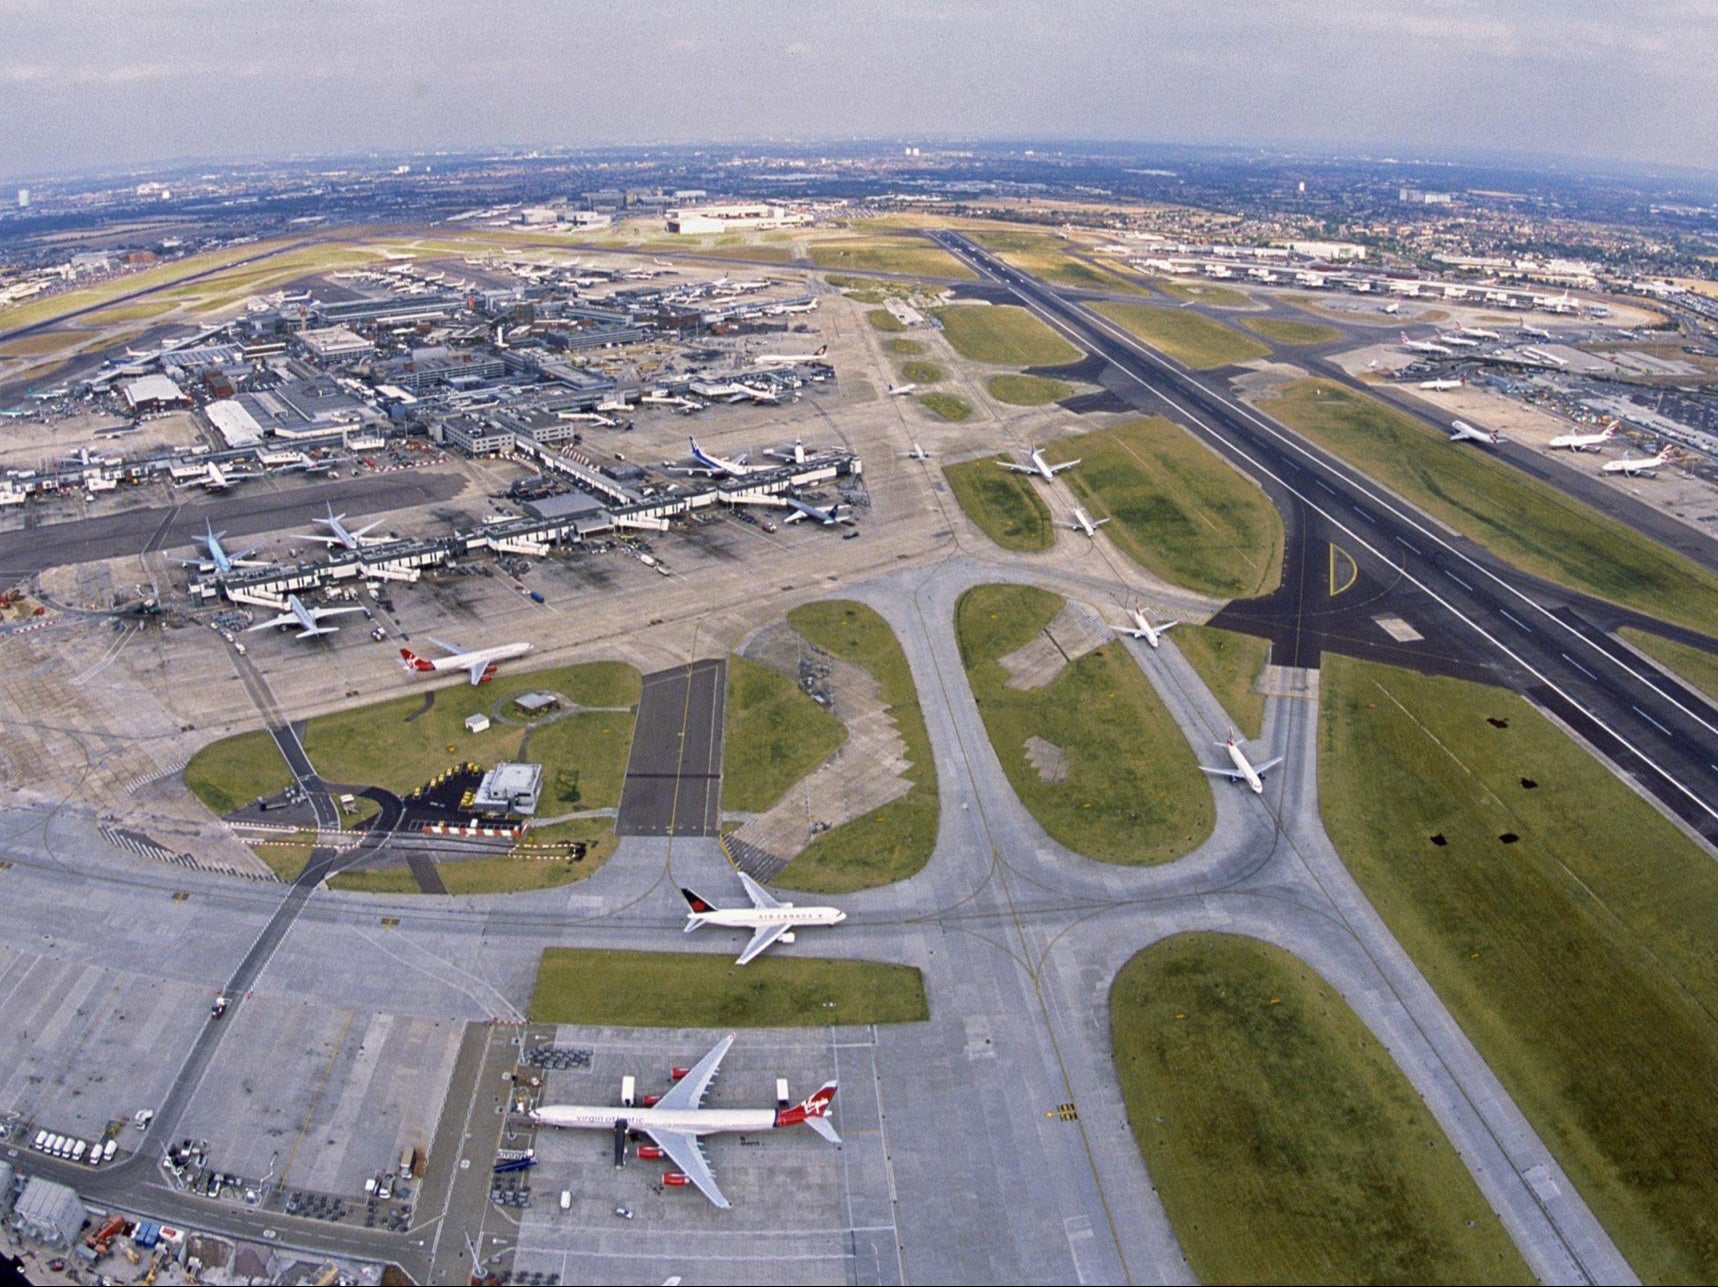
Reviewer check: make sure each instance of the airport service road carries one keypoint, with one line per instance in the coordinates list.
(1533, 637)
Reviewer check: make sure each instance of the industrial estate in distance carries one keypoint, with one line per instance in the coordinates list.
(1182, 684)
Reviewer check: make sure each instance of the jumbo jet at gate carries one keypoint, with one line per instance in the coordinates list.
(1084, 522)
(217, 556)
(678, 1121)
(790, 359)
(1583, 441)
(769, 920)
(1442, 386)
(215, 479)
(308, 620)
(339, 534)
(1641, 466)
(1039, 466)
(1426, 346)
(1143, 629)
(735, 468)
(1242, 769)
(479, 663)
(1477, 332)
(805, 509)
(1462, 431)
(1458, 339)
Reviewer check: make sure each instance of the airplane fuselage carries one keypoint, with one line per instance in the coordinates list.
(687, 1121)
(1244, 767)
(757, 917)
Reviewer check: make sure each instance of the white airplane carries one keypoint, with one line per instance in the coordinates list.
(661, 399)
(1143, 629)
(1462, 431)
(215, 479)
(1243, 770)
(902, 390)
(917, 453)
(795, 453)
(306, 619)
(1535, 332)
(790, 359)
(678, 1121)
(479, 663)
(769, 920)
(1039, 466)
(1084, 522)
(1425, 346)
(1582, 441)
(736, 468)
(217, 556)
(1392, 307)
(1641, 466)
(805, 509)
(339, 534)
(1477, 332)
(1442, 386)
(1459, 340)
(616, 403)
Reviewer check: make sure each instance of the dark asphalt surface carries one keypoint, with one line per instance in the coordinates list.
(1481, 618)
(674, 776)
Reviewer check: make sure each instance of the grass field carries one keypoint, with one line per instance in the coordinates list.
(1529, 523)
(380, 746)
(922, 372)
(1284, 1141)
(1691, 665)
(884, 320)
(1047, 255)
(895, 841)
(1179, 509)
(1229, 664)
(679, 990)
(1003, 335)
(1027, 390)
(40, 344)
(947, 406)
(382, 880)
(501, 874)
(1203, 293)
(234, 771)
(1005, 505)
(1580, 959)
(1190, 339)
(1285, 332)
(906, 348)
(773, 736)
(1133, 792)
(888, 255)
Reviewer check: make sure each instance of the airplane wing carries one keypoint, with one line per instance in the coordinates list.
(1267, 766)
(687, 1154)
(1056, 469)
(1233, 775)
(455, 649)
(478, 669)
(1019, 469)
(757, 893)
(284, 619)
(761, 939)
(688, 1092)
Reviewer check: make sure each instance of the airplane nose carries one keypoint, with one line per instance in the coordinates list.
(839, 917)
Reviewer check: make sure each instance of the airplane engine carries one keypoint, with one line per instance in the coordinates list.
(649, 1153)
(787, 937)
(674, 1180)
(675, 1074)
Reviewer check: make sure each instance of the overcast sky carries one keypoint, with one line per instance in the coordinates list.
(99, 84)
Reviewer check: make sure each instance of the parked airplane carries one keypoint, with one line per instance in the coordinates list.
(679, 1119)
(1456, 338)
(1425, 346)
(918, 453)
(1582, 441)
(795, 453)
(1535, 332)
(1641, 466)
(1392, 307)
(1243, 770)
(1462, 431)
(217, 556)
(1442, 386)
(215, 479)
(1084, 522)
(1477, 332)
(790, 359)
(736, 468)
(902, 390)
(338, 533)
(769, 920)
(1039, 466)
(307, 619)
(805, 509)
(479, 663)
(1143, 629)
(616, 403)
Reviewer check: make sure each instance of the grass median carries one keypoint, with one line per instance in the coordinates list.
(1693, 666)
(1526, 522)
(922, 372)
(1027, 390)
(684, 990)
(1230, 665)
(773, 735)
(1003, 335)
(1093, 755)
(894, 841)
(1005, 505)
(1203, 293)
(1565, 923)
(233, 772)
(945, 406)
(1286, 332)
(1192, 340)
(1285, 1143)
(1176, 507)
(902, 254)
(1052, 258)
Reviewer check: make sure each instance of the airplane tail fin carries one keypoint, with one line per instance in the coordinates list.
(821, 350)
(699, 908)
(411, 661)
(813, 1112)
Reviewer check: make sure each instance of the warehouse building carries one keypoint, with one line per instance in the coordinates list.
(49, 1212)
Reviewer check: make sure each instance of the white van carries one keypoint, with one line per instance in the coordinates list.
(566, 1199)
(78, 1147)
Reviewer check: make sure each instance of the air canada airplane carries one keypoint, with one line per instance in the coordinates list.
(1243, 770)
(308, 620)
(805, 509)
(769, 920)
(678, 1121)
(1039, 466)
(1143, 629)
(479, 663)
(1582, 441)
(735, 468)
(339, 534)
(1462, 431)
